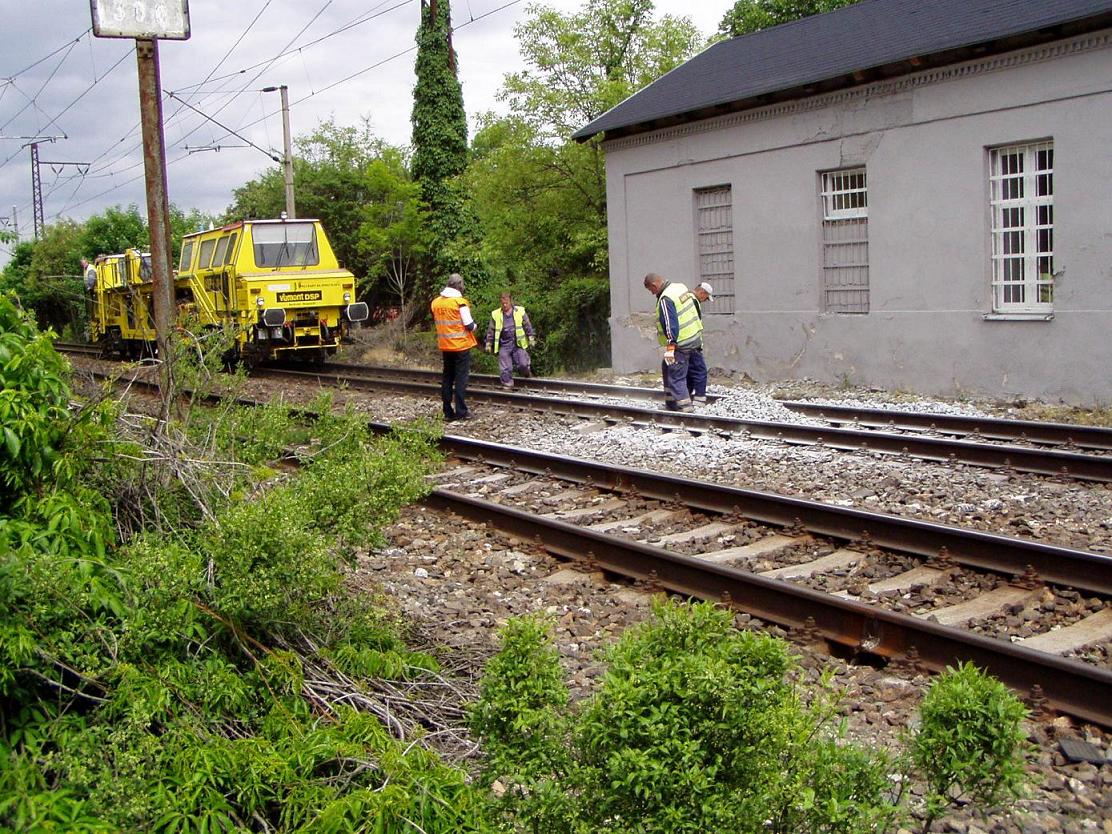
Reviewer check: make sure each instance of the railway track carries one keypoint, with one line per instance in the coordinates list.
(716, 542)
(846, 618)
(1041, 461)
(78, 348)
(1067, 435)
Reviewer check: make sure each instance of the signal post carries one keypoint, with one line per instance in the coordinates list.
(147, 21)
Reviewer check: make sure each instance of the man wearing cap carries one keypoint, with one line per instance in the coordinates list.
(680, 331)
(455, 337)
(696, 365)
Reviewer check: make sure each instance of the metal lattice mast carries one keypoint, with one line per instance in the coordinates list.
(36, 191)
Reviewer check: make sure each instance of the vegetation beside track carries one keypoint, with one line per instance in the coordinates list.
(178, 653)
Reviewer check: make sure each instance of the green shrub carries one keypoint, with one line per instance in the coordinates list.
(696, 727)
(166, 684)
(970, 741)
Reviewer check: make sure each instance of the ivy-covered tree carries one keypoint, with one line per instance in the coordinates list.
(751, 15)
(439, 133)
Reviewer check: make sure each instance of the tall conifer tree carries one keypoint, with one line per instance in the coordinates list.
(439, 131)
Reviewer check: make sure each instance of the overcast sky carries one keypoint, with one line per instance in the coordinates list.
(87, 89)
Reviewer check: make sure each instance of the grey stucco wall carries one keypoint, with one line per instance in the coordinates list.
(924, 142)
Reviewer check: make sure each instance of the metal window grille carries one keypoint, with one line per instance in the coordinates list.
(1021, 181)
(845, 241)
(714, 225)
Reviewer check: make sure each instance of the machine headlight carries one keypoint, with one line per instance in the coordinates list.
(347, 297)
(274, 317)
(259, 301)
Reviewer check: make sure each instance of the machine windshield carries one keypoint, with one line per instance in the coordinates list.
(285, 244)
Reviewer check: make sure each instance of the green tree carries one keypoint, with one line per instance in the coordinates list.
(113, 231)
(393, 236)
(331, 176)
(52, 287)
(539, 196)
(971, 743)
(751, 15)
(439, 133)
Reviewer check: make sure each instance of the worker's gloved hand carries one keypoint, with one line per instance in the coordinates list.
(490, 348)
(670, 355)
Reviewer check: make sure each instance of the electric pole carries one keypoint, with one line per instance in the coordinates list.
(36, 191)
(36, 184)
(287, 147)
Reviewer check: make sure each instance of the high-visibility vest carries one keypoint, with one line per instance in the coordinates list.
(451, 335)
(519, 327)
(691, 324)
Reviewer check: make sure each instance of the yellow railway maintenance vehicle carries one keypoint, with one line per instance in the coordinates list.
(275, 285)
(121, 318)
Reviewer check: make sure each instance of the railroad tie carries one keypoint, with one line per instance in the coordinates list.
(761, 547)
(497, 477)
(1095, 628)
(527, 486)
(907, 580)
(454, 472)
(833, 561)
(582, 512)
(980, 607)
(707, 531)
(564, 495)
(651, 517)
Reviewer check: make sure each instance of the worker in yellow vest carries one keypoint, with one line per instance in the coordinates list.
(455, 336)
(680, 332)
(509, 335)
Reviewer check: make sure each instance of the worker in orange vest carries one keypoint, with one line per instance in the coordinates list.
(455, 337)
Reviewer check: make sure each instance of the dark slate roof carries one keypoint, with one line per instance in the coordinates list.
(858, 44)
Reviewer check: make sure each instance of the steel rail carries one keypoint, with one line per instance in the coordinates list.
(1080, 569)
(535, 383)
(78, 347)
(990, 428)
(1018, 458)
(1069, 686)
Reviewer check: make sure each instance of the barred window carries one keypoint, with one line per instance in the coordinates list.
(1021, 180)
(845, 241)
(714, 230)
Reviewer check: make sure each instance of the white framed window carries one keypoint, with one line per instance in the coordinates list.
(1021, 197)
(714, 233)
(845, 241)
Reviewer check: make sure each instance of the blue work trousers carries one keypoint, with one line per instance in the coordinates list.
(697, 374)
(676, 393)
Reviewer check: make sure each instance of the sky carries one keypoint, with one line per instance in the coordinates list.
(57, 80)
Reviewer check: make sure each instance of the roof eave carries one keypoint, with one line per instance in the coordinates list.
(860, 77)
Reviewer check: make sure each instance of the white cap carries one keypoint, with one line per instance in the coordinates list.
(708, 289)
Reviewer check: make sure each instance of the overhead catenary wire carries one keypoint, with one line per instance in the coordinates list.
(103, 170)
(136, 126)
(69, 43)
(80, 96)
(345, 79)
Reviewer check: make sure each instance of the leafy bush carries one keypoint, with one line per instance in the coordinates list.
(695, 727)
(197, 679)
(970, 741)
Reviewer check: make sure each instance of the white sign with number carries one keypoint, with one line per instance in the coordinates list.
(141, 19)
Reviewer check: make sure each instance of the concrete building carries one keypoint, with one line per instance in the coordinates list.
(900, 193)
